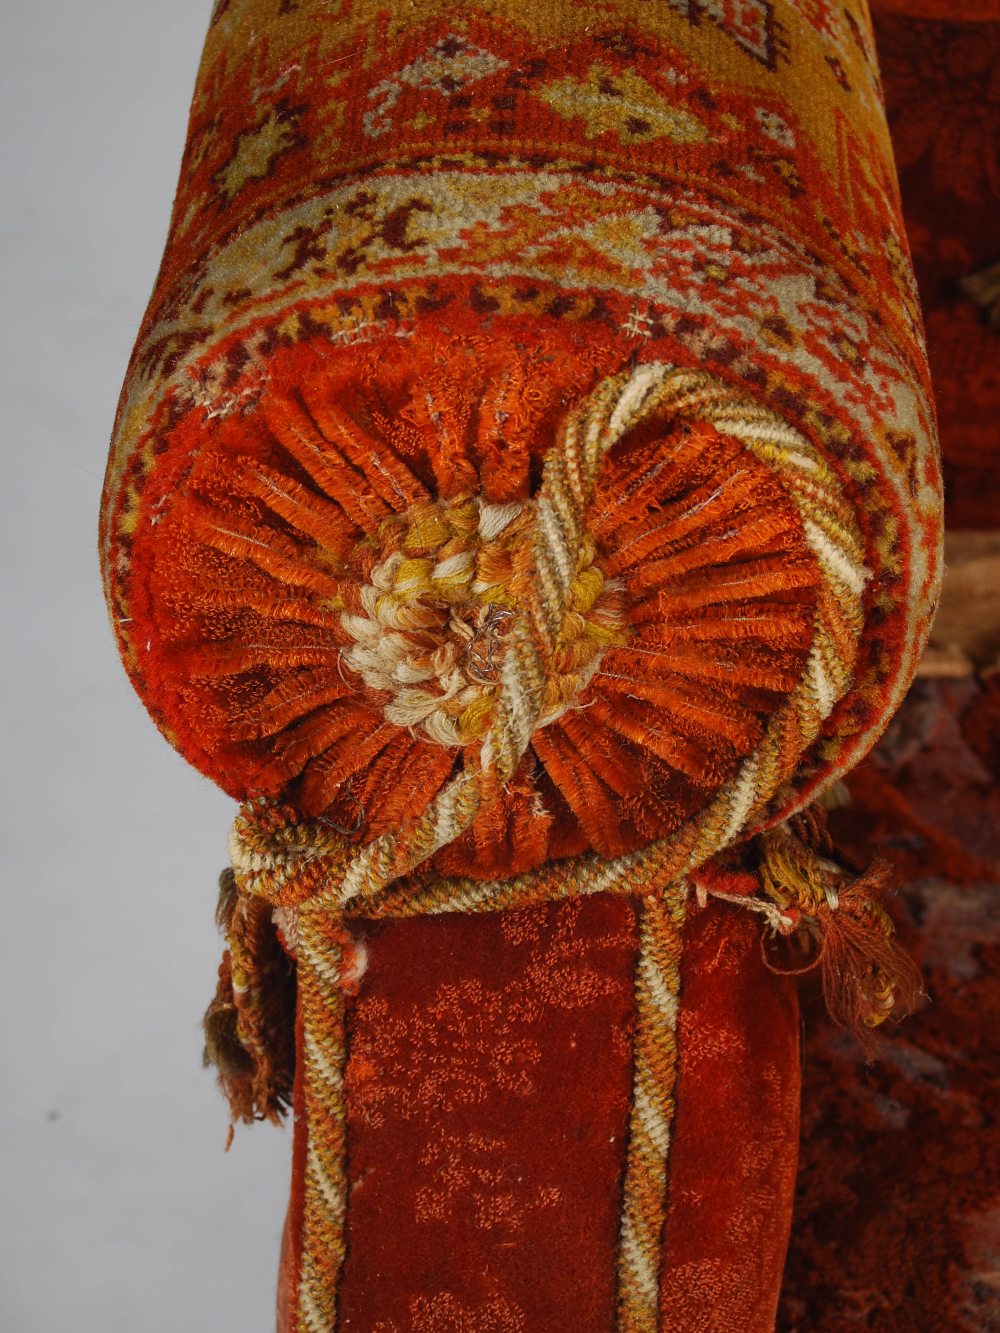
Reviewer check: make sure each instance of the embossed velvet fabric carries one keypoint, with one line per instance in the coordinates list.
(489, 1094)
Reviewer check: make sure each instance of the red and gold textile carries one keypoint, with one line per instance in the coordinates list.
(524, 500)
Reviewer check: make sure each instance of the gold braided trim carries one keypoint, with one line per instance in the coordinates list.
(644, 1203)
(325, 1058)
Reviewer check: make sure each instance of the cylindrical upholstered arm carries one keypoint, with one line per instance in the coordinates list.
(524, 499)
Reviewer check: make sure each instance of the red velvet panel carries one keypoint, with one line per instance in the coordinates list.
(489, 1081)
(732, 1168)
(488, 1084)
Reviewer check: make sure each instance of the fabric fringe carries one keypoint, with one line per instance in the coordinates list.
(250, 1025)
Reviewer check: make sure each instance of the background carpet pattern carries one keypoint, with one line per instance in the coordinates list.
(897, 1216)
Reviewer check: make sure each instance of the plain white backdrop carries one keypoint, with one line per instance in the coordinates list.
(121, 1213)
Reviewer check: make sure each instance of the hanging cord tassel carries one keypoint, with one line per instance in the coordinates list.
(250, 1024)
(866, 975)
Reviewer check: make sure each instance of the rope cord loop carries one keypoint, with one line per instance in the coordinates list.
(287, 880)
(553, 552)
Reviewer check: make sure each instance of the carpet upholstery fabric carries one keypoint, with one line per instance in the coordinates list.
(524, 500)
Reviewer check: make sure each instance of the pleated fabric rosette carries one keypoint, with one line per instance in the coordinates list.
(524, 501)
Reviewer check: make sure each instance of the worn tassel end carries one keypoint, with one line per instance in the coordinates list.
(865, 972)
(249, 1026)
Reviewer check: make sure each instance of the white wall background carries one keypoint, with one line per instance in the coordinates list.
(119, 1210)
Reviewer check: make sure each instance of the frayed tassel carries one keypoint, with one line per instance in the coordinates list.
(228, 898)
(866, 975)
(225, 1052)
(222, 1044)
(250, 1025)
(984, 289)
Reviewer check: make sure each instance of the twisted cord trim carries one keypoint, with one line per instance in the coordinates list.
(795, 887)
(320, 945)
(542, 586)
(644, 1201)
